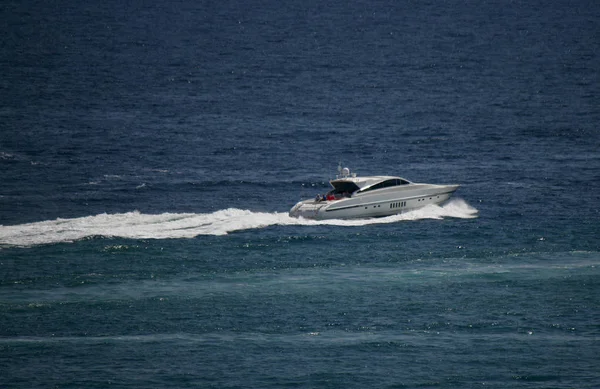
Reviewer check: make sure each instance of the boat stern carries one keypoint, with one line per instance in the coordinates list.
(308, 209)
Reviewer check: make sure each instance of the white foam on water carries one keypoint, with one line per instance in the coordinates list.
(135, 225)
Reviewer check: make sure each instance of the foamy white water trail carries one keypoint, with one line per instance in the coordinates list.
(134, 225)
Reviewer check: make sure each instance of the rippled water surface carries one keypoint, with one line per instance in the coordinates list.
(149, 154)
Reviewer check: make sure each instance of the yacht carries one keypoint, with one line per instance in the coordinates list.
(370, 196)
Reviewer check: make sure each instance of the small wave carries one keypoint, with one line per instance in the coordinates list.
(135, 225)
(6, 156)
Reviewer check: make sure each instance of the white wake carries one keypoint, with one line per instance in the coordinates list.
(135, 225)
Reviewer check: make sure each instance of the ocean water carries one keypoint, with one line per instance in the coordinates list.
(150, 152)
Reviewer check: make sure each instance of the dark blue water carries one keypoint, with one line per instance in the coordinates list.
(149, 153)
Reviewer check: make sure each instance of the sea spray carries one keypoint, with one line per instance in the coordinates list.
(135, 225)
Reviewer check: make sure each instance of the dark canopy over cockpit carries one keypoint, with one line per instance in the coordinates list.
(344, 187)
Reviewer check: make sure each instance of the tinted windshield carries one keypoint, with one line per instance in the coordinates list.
(387, 184)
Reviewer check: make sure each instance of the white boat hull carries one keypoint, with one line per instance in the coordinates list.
(384, 203)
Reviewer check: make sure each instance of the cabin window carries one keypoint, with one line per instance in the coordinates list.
(387, 184)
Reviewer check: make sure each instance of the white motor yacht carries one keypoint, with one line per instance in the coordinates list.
(371, 196)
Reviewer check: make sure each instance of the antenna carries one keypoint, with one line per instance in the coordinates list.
(343, 172)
